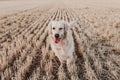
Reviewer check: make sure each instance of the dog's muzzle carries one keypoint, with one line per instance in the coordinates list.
(57, 39)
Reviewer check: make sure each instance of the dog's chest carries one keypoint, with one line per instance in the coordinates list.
(62, 49)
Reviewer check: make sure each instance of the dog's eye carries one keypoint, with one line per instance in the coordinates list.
(60, 28)
(53, 28)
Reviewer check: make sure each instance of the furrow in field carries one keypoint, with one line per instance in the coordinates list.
(16, 43)
(94, 74)
(20, 20)
(14, 56)
(95, 59)
(9, 37)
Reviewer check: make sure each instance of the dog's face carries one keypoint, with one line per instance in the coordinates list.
(58, 30)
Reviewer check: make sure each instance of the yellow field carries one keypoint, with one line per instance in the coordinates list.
(25, 52)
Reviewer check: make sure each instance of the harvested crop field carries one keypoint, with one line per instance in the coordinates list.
(25, 52)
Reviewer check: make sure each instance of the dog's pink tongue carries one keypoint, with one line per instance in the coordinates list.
(57, 41)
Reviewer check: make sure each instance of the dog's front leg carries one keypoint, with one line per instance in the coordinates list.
(69, 64)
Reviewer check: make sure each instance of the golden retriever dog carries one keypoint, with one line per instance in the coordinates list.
(61, 40)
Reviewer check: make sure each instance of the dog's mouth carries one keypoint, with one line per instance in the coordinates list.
(57, 40)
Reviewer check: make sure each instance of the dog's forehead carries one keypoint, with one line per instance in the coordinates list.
(57, 24)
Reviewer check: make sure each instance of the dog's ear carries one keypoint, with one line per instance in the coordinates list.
(71, 24)
(65, 25)
(65, 28)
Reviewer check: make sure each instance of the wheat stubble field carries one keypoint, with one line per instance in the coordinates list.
(25, 53)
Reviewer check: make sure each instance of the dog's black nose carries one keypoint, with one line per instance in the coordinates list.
(56, 35)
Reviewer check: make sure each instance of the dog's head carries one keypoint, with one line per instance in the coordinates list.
(58, 29)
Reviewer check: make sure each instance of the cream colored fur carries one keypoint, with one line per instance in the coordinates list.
(65, 48)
